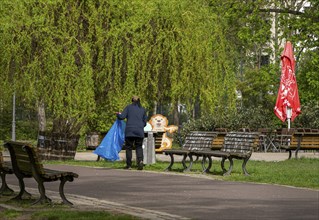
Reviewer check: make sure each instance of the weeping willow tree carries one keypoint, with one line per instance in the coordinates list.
(81, 61)
(167, 52)
(46, 55)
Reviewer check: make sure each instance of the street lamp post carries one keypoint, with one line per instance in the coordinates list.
(13, 117)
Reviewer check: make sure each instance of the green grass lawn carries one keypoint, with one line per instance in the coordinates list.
(25, 211)
(58, 214)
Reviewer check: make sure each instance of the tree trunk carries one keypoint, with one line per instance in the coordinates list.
(155, 107)
(60, 143)
(41, 116)
(176, 115)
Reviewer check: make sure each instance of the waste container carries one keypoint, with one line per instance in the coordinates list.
(149, 148)
(92, 140)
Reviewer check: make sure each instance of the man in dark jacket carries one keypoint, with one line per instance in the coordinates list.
(136, 120)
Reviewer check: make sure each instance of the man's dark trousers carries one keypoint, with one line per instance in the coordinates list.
(130, 142)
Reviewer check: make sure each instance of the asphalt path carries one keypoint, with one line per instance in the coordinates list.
(154, 195)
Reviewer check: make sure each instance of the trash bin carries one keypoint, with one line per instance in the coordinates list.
(149, 148)
(92, 140)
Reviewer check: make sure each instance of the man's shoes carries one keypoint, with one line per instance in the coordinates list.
(140, 165)
(127, 168)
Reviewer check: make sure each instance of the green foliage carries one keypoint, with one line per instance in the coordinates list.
(48, 59)
(309, 117)
(5, 124)
(308, 78)
(85, 59)
(253, 117)
(258, 87)
(301, 28)
(157, 49)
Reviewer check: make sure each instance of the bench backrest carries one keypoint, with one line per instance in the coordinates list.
(240, 142)
(199, 140)
(21, 158)
(158, 137)
(308, 140)
(219, 141)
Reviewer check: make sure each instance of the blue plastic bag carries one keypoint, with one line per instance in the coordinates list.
(112, 143)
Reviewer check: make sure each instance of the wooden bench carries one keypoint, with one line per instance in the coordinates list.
(158, 138)
(26, 163)
(237, 145)
(5, 168)
(308, 140)
(195, 140)
(219, 140)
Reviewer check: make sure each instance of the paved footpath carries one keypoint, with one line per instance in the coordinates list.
(179, 196)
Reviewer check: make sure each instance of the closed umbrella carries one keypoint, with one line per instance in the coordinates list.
(288, 103)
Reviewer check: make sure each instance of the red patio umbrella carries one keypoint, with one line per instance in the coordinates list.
(287, 104)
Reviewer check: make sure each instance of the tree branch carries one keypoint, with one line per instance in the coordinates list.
(288, 11)
(278, 10)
